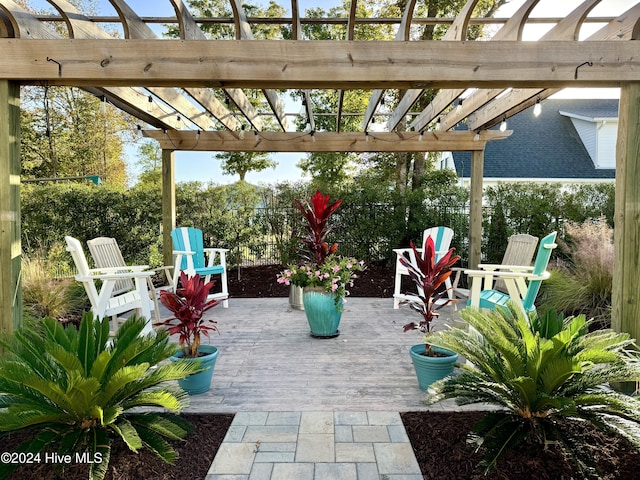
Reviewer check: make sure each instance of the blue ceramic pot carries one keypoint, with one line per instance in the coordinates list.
(198, 382)
(322, 312)
(430, 369)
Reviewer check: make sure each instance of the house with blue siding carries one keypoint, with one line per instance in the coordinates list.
(572, 141)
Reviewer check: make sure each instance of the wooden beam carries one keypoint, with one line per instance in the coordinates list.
(10, 246)
(619, 29)
(320, 64)
(475, 208)
(512, 30)
(456, 31)
(254, 141)
(401, 35)
(189, 30)
(168, 204)
(625, 311)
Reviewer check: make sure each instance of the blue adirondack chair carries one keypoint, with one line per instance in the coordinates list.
(442, 237)
(522, 283)
(190, 256)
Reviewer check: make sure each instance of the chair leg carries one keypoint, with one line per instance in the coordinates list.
(396, 291)
(225, 288)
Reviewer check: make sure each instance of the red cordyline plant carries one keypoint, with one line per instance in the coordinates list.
(188, 305)
(317, 213)
(428, 276)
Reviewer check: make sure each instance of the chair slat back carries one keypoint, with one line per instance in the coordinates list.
(106, 254)
(189, 239)
(520, 250)
(441, 236)
(547, 244)
(74, 247)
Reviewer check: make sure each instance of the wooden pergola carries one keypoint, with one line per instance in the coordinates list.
(170, 85)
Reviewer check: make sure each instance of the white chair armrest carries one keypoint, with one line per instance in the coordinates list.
(97, 274)
(211, 254)
(123, 269)
(183, 252)
(510, 274)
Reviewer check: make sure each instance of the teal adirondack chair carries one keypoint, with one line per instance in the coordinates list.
(190, 256)
(522, 283)
(442, 237)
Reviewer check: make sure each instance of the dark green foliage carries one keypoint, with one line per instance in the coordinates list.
(263, 222)
(540, 372)
(81, 389)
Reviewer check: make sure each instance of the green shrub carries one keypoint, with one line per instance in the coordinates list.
(583, 284)
(46, 296)
(540, 371)
(80, 389)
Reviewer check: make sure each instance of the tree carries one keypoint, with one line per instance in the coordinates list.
(150, 163)
(239, 163)
(408, 169)
(69, 132)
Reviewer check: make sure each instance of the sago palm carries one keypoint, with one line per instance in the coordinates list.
(79, 387)
(540, 371)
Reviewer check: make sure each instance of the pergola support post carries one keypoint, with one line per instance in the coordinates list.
(10, 245)
(168, 204)
(625, 311)
(475, 208)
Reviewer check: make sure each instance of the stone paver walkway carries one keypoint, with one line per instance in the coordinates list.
(315, 446)
(314, 409)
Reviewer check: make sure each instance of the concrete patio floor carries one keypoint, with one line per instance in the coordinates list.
(315, 409)
(269, 362)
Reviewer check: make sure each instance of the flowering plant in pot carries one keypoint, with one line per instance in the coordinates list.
(333, 276)
(188, 305)
(428, 276)
(322, 273)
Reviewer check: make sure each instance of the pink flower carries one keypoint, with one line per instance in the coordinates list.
(336, 269)
(334, 287)
(326, 275)
(349, 266)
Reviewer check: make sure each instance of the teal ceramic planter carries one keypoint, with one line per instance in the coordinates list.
(322, 312)
(430, 369)
(199, 382)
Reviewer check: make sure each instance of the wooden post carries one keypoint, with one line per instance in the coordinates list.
(168, 204)
(10, 246)
(475, 208)
(625, 312)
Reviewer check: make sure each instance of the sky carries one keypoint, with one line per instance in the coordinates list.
(204, 167)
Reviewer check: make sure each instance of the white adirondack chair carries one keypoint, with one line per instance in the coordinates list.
(520, 250)
(106, 254)
(442, 237)
(103, 303)
(523, 283)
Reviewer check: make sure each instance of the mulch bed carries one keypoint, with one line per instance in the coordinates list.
(261, 281)
(438, 438)
(196, 452)
(439, 442)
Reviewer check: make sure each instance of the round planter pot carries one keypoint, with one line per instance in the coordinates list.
(430, 369)
(198, 382)
(295, 297)
(322, 312)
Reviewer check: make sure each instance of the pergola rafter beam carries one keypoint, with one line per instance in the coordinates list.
(621, 28)
(402, 35)
(457, 31)
(511, 30)
(351, 28)
(223, 141)
(245, 33)
(305, 64)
